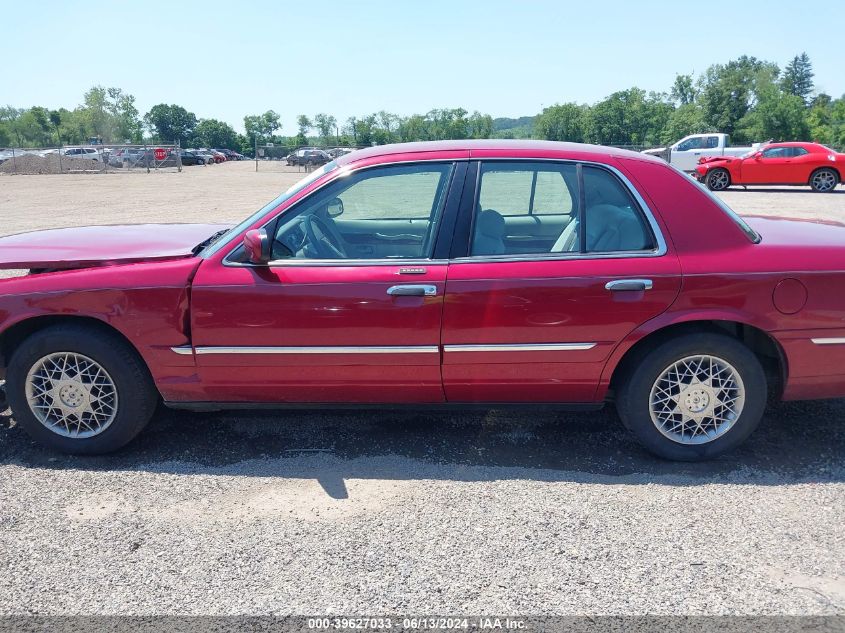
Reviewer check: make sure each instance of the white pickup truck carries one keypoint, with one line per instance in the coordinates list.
(685, 153)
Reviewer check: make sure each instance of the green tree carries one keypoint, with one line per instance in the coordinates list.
(261, 126)
(126, 123)
(683, 90)
(563, 122)
(215, 134)
(414, 128)
(776, 115)
(480, 125)
(325, 124)
(728, 92)
(170, 123)
(629, 117)
(798, 77)
(684, 120)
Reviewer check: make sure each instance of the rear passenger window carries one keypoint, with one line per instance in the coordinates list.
(614, 221)
(533, 208)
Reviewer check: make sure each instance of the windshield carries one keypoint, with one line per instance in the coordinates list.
(216, 244)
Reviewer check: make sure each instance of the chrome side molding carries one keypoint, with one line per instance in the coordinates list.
(374, 349)
(529, 347)
(829, 341)
(386, 349)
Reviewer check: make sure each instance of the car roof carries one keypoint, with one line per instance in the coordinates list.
(502, 145)
(792, 144)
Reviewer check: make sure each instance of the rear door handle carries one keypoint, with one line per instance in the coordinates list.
(621, 285)
(412, 290)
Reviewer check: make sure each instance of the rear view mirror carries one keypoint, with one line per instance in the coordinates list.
(758, 155)
(257, 246)
(334, 208)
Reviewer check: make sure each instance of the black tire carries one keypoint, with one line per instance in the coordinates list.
(824, 180)
(718, 179)
(136, 392)
(633, 396)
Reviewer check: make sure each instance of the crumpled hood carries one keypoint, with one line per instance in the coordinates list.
(81, 247)
(717, 159)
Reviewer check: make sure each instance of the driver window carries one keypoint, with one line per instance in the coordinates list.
(691, 143)
(380, 213)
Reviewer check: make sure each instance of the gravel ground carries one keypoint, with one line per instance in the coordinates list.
(497, 512)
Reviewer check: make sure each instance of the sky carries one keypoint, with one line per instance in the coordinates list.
(225, 59)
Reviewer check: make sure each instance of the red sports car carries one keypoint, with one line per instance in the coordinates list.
(484, 273)
(775, 164)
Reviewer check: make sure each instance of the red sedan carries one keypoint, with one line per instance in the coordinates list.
(483, 273)
(775, 164)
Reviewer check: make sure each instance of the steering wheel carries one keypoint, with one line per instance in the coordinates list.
(322, 239)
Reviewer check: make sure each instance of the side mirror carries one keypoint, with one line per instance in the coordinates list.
(257, 246)
(758, 155)
(334, 208)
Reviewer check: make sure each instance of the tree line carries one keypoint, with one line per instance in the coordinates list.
(750, 99)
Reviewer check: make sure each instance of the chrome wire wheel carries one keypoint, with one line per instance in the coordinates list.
(697, 399)
(823, 180)
(719, 180)
(71, 394)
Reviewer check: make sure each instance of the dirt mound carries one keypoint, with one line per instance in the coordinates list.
(48, 164)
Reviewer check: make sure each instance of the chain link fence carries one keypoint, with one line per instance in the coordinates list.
(83, 159)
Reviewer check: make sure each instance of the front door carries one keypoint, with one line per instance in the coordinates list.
(533, 314)
(773, 165)
(349, 310)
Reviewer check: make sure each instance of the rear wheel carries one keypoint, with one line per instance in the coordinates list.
(694, 397)
(718, 180)
(79, 390)
(824, 180)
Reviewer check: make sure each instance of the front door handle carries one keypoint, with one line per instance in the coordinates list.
(621, 285)
(412, 290)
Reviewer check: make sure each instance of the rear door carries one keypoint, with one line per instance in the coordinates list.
(536, 319)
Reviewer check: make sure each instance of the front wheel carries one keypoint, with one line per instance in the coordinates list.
(824, 180)
(694, 397)
(718, 180)
(79, 390)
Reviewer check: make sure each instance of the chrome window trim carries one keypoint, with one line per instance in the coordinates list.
(660, 250)
(338, 349)
(343, 172)
(527, 347)
(282, 263)
(829, 341)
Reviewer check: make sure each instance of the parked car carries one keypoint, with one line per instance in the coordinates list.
(189, 158)
(218, 157)
(685, 153)
(126, 157)
(435, 274)
(206, 156)
(798, 164)
(337, 152)
(89, 153)
(229, 154)
(312, 157)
